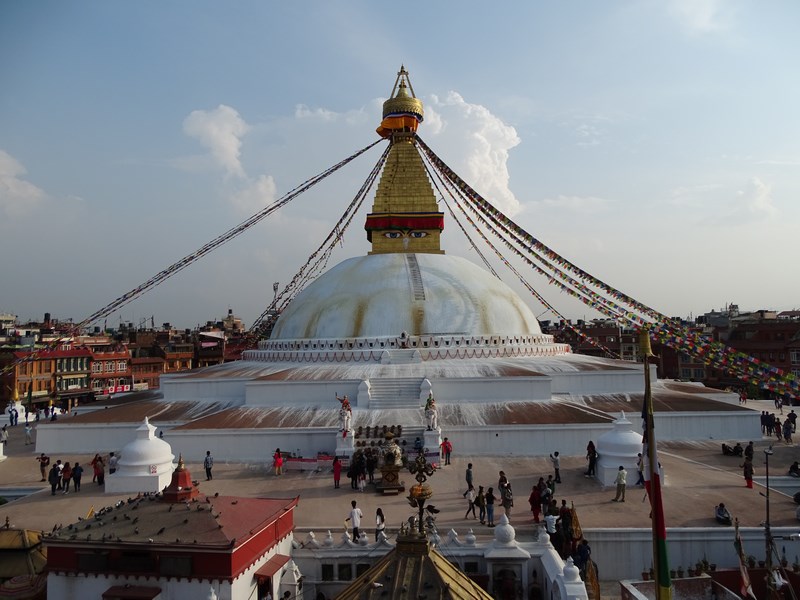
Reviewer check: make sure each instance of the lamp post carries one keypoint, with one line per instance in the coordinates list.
(767, 532)
(421, 492)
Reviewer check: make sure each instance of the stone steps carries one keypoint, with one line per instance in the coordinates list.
(395, 393)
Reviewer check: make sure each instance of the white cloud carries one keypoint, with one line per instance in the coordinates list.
(701, 16)
(256, 196)
(477, 146)
(756, 199)
(220, 131)
(302, 111)
(17, 196)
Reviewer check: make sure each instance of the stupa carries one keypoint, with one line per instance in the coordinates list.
(145, 464)
(389, 330)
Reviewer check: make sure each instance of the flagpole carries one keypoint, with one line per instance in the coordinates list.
(663, 584)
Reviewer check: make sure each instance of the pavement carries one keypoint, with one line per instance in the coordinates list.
(697, 477)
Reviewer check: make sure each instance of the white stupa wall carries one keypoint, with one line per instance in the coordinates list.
(599, 382)
(219, 390)
(302, 393)
(482, 390)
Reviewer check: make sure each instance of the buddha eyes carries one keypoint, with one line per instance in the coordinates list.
(398, 234)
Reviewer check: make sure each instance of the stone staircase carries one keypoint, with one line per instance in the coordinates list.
(402, 392)
(403, 356)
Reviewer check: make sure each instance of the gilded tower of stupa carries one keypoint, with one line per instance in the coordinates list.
(405, 216)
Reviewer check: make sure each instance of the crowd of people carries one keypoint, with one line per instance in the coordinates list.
(63, 475)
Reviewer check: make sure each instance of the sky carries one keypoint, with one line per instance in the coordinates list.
(652, 143)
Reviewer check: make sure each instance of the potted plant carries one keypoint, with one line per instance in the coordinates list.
(673, 574)
(645, 575)
(652, 573)
(680, 572)
(751, 561)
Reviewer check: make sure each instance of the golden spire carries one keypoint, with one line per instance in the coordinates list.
(405, 216)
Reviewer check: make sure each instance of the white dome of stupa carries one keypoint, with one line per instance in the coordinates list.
(420, 294)
(145, 464)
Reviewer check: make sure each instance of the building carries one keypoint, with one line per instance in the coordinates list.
(176, 544)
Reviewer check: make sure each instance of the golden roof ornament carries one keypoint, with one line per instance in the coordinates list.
(402, 112)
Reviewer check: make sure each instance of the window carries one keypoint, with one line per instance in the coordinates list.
(345, 572)
(470, 567)
(135, 562)
(97, 367)
(327, 572)
(175, 566)
(93, 561)
(795, 356)
(362, 568)
(109, 366)
(686, 373)
(122, 365)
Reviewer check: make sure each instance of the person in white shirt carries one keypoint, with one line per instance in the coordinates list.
(355, 520)
(622, 474)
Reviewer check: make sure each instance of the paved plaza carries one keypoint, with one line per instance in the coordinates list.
(697, 476)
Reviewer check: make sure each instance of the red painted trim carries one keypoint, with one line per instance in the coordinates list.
(405, 221)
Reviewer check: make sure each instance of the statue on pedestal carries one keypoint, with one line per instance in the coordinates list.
(431, 414)
(345, 415)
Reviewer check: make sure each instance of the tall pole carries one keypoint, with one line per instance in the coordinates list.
(663, 584)
(771, 591)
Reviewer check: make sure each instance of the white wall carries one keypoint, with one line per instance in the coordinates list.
(625, 553)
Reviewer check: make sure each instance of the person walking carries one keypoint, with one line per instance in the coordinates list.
(556, 466)
(337, 472)
(747, 471)
(470, 503)
(591, 456)
(640, 469)
(113, 459)
(77, 473)
(66, 477)
(59, 468)
(208, 464)
(355, 520)
(277, 462)
(447, 449)
(622, 475)
(490, 498)
(4, 435)
(480, 502)
(380, 523)
(468, 478)
(506, 495)
(99, 469)
(44, 462)
(28, 434)
(53, 478)
(535, 500)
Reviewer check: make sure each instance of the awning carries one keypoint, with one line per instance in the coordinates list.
(272, 566)
(131, 592)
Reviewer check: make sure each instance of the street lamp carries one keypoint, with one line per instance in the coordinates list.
(421, 492)
(767, 532)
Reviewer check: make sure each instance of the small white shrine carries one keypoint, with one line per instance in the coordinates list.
(145, 464)
(618, 447)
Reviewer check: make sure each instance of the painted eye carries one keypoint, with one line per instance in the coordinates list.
(392, 234)
(419, 234)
